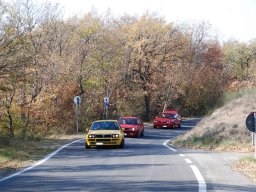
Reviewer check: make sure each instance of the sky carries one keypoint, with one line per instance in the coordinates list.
(231, 19)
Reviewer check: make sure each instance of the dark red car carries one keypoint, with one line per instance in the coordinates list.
(132, 126)
(168, 119)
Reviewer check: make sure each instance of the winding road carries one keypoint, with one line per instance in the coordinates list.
(145, 164)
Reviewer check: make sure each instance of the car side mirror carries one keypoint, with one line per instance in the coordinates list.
(86, 130)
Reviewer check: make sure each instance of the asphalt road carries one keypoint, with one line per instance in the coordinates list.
(145, 164)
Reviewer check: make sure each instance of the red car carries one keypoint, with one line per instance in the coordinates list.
(132, 126)
(168, 119)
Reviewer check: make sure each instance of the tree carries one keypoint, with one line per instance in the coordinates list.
(152, 48)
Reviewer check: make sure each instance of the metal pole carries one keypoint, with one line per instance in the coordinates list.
(106, 112)
(254, 135)
(77, 119)
(254, 146)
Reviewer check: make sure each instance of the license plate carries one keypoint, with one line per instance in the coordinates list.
(164, 125)
(99, 143)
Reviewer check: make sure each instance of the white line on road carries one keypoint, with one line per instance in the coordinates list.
(188, 161)
(39, 162)
(166, 145)
(199, 177)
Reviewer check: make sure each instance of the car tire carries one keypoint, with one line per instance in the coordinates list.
(142, 133)
(179, 125)
(122, 144)
(87, 146)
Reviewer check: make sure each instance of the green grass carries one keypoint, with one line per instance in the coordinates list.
(231, 95)
(196, 142)
(250, 159)
(211, 142)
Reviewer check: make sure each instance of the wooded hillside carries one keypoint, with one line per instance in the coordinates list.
(139, 63)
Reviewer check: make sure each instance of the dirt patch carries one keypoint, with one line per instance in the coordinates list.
(247, 166)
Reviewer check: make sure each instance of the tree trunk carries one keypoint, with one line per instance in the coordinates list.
(147, 107)
(10, 125)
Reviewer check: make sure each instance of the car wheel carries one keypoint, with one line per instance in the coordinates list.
(87, 146)
(179, 125)
(142, 133)
(122, 144)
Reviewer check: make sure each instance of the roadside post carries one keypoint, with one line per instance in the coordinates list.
(251, 126)
(106, 105)
(254, 133)
(77, 101)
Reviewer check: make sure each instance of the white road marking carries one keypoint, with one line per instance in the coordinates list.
(39, 162)
(166, 145)
(188, 161)
(199, 177)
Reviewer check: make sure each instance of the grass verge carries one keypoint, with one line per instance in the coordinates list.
(20, 153)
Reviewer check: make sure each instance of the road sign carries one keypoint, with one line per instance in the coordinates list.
(106, 101)
(77, 100)
(250, 121)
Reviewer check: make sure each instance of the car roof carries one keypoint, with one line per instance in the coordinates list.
(105, 121)
(129, 117)
(170, 111)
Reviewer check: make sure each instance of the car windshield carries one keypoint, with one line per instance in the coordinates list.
(128, 121)
(168, 115)
(106, 125)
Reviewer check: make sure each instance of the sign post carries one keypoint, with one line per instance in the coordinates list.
(106, 105)
(251, 126)
(254, 115)
(77, 101)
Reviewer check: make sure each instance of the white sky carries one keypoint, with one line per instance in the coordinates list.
(232, 19)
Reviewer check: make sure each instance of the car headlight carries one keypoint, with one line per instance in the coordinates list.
(115, 135)
(91, 136)
(168, 121)
(155, 121)
(133, 129)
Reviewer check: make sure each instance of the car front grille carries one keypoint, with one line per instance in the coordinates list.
(103, 140)
(103, 136)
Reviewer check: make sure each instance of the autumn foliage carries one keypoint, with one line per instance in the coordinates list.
(142, 64)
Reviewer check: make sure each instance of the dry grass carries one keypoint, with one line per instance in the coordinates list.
(247, 166)
(20, 153)
(223, 130)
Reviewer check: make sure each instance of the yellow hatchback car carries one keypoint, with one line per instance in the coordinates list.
(104, 133)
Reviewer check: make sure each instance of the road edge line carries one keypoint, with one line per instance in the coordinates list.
(39, 162)
(199, 177)
(166, 145)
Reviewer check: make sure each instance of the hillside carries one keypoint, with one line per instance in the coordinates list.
(224, 129)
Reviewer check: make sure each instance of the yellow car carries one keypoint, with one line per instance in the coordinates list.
(104, 133)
